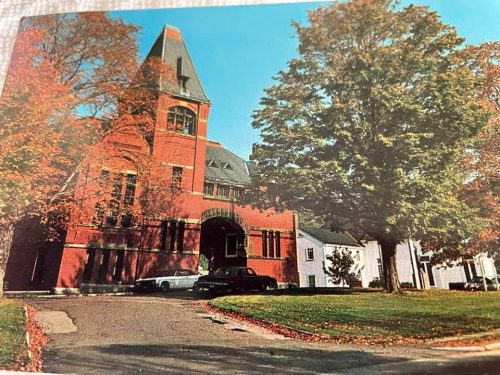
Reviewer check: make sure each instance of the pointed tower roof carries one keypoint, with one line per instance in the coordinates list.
(171, 48)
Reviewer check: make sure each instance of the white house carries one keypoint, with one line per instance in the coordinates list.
(414, 266)
(313, 246)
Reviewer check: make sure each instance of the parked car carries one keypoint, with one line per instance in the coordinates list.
(234, 279)
(173, 279)
(476, 283)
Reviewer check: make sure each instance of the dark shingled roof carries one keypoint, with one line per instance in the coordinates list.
(328, 236)
(235, 173)
(171, 50)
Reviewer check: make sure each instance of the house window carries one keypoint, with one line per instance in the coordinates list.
(264, 243)
(310, 254)
(208, 188)
(227, 166)
(430, 274)
(181, 120)
(177, 176)
(311, 281)
(380, 269)
(223, 191)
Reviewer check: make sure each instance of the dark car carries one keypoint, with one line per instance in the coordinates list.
(234, 279)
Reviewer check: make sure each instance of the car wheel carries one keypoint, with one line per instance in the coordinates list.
(165, 287)
(263, 287)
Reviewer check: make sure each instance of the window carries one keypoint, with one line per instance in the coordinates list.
(227, 166)
(98, 219)
(180, 236)
(223, 191)
(310, 254)
(172, 235)
(117, 212)
(237, 192)
(212, 163)
(112, 218)
(271, 244)
(311, 281)
(380, 269)
(277, 239)
(163, 235)
(177, 176)
(131, 181)
(264, 243)
(208, 188)
(428, 268)
(181, 120)
(173, 229)
(126, 220)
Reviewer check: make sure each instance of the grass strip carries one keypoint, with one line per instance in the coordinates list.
(12, 330)
(419, 314)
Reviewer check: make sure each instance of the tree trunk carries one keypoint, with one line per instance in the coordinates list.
(391, 279)
(6, 235)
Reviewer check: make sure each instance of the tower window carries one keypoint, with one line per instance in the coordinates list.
(181, 120)
(208, 188)
(177, 176)
(223, 191)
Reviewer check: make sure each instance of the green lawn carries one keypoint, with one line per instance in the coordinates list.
(12, 330)
(419, 314)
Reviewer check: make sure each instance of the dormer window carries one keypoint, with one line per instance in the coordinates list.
(181, 120)
(227, 166)
(212, 163)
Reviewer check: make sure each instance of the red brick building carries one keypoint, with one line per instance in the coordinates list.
(199, 217)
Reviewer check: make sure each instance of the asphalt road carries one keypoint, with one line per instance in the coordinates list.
(173, 334)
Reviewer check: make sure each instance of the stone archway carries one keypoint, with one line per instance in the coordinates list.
(223, 242)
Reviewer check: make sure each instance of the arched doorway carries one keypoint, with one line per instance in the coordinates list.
(223, 243)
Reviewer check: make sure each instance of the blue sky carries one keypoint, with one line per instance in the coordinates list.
(237, 50)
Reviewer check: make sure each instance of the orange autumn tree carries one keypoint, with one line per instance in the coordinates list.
(483, 191)
(67, 78)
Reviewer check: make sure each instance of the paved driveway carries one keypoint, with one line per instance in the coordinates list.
(173, 335)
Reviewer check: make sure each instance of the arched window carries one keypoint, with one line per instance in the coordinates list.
(181, 120)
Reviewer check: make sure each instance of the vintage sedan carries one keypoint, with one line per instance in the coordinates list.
(234, 279)
(172, 279)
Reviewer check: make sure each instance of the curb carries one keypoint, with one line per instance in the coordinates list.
(28, 347)
(473, 348)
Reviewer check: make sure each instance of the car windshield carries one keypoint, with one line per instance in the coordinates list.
(226, 272)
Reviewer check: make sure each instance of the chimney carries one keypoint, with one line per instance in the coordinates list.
(172, 32)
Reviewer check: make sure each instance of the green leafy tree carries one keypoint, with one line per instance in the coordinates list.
(339, 267)
(366, 126)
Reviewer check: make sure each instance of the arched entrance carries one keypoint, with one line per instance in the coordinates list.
(223, 243)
